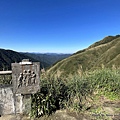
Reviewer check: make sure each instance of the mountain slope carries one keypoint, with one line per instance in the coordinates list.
(106, 51)
(47, 58)
(8, 56)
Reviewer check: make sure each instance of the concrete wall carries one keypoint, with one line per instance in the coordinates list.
(25, 81)
(18, 103)
(10, 103)
(6, 100)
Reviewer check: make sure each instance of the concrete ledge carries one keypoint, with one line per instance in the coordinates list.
(5, 72)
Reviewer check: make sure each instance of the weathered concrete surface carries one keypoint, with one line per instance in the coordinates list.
(10, 103)
(18, 102)
(6, 100)
(26, 78)
(16, 99)
(15, 117)
(26, 106)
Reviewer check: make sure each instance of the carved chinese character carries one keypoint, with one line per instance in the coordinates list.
(26, 78)
(33, 77)
(20, 80)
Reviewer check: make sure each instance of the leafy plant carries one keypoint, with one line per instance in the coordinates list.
(49, 98)
(75, 92)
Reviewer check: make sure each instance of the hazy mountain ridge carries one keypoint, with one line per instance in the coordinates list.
(106, 52)
(9, 56)
(46, 60)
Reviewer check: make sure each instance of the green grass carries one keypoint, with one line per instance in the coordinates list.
(75, 92)
(104, 52)
(5, 79)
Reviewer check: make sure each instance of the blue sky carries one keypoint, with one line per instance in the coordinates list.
(62, 26)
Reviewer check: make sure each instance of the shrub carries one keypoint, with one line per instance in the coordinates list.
(72, 93)
(49, 98)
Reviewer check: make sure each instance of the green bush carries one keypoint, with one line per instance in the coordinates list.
(73, 93)
(6, 79)
(78, 90)
(106, 80)
(49, 98)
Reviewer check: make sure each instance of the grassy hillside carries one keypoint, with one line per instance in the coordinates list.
(46, 60)
(105, 52)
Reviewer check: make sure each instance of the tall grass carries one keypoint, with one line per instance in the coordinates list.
(75, 92)
(51, 97)
(106, 81)
(6, 79)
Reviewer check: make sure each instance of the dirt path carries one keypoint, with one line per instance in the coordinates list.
(109, 109)
(13, 117)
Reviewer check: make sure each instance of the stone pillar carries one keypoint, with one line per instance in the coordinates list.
(6, 100)
(26, 80)
(26, 108)
(26, 77)
(18, 102)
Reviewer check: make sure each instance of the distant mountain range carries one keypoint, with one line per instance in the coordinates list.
(105, 53)
(46, 60)
(9, 56)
